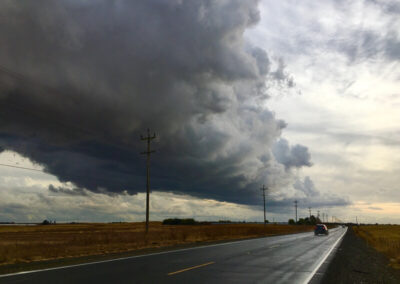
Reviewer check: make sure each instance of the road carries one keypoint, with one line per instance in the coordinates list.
(280, 259)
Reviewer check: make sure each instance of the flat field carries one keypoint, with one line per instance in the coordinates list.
(384, 238)
(19, 244)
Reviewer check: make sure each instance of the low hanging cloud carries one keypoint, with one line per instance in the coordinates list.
(67, 191)
(307, 186)
(291, 156)
(80, 81)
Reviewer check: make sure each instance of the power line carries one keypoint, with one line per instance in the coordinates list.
(24, 168)
(75, 175)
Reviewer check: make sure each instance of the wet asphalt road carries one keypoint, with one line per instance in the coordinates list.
(280, 259)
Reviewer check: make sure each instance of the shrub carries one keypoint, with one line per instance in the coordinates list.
(177, 221)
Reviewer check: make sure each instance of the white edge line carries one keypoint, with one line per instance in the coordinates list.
(308, 279)
(136, 256)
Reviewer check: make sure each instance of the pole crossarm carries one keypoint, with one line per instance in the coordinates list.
(145, 153)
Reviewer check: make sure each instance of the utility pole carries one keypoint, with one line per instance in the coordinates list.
(263, 190)
(309, 210)
(148, 153)
(295, 206)
(318, 214)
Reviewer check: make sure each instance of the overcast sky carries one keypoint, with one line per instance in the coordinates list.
(302, 97)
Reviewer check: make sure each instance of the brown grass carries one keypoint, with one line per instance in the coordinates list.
(33, 243)
(384, 238)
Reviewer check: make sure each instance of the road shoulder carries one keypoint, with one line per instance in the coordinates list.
(355, 262)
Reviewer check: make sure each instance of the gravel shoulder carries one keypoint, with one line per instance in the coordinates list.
(356, 262)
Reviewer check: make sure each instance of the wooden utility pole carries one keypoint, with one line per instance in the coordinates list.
(148, 153)
(263, 190)
(295, 206)
(309, 210)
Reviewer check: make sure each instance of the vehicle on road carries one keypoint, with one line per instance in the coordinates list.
(321, 229)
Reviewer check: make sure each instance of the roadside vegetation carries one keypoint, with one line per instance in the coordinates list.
(19, 244)
(305, 221)
(383, 238)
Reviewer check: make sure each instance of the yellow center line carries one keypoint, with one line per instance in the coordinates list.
(190, 268)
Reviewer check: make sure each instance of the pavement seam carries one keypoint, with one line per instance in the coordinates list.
(190, 268)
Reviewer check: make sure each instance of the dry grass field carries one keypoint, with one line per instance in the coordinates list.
(20, 244)
(384, 238)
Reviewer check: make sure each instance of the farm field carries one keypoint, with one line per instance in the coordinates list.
(21, 244)
(383, 238)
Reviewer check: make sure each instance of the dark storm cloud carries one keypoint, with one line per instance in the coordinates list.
(81, 80)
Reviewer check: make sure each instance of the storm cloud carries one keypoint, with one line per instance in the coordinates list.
(307, 186)
(67, 191)
(291, 156)
(80, 81)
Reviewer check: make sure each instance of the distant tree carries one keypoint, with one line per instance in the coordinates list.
(314, 220)
(177, 221)
(46, 222)
(291, 222)
(301, 221)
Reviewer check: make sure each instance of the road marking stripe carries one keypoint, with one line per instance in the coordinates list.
(190, 268)
(308, 279)
(143, 255)
(275, 246)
